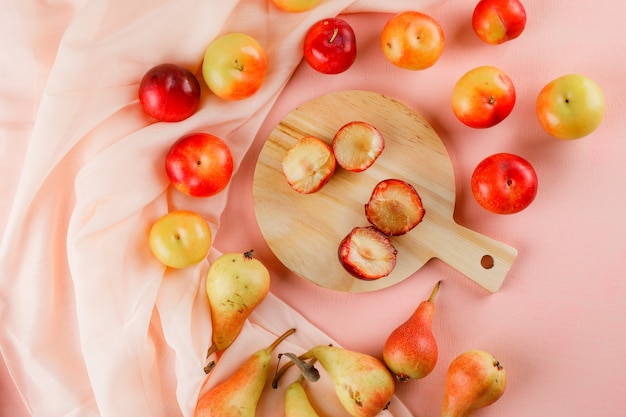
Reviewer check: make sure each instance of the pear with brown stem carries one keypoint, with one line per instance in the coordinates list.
(410, 351)
(475, 379)
(239, 395)
(363, 384)
(235, 285)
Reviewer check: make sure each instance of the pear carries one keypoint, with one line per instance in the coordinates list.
(235, 285)
(410, 351)
(475, 379)
(239, 395)
(297, 402)
(363, 384)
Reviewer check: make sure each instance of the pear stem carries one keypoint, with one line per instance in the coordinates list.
(210, 364)
(278, 341)
(307, 369)
(209, 367)
(211, 350)
(280, 372)
(300, 378)
(433, 294)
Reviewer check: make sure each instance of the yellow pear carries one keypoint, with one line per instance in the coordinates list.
(363, 384)
(239, 395)
(297, 402)
(235, 285)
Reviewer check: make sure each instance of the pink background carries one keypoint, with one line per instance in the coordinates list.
(558, 323)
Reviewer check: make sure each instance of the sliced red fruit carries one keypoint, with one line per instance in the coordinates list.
(394, 207)
(308, 165)
(367, 253)
(357, 145)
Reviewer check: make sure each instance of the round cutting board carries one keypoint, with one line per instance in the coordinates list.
(304, 230)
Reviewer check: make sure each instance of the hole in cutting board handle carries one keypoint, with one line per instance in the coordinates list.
(487, 261)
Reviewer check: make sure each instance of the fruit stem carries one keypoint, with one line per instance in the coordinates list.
(273, 346)
(334, 36)
(278, 341)
(210, 364)
(209, 367)
(211, 350)
(306, 369)
(314, 373)
(433, 294)
(280, 372)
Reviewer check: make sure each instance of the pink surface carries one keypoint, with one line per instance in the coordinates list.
(558, 323)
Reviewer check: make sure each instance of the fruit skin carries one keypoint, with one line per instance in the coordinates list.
(180, 239)
(367, 253)
(475, 379)
(330, 46)
(394, 207)
(295, 6)
(570, 106)
(309, 165)
(483, 97)
(357, 145)
(498, 21)
(199, 165)
(169, 92)
(410, 351)
(504, 183)
(235, 285)
(234, 66)
(362, 382)
(240, 393)
(297, 402)
(412, 40)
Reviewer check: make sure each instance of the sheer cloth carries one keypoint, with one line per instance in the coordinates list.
(92, 324)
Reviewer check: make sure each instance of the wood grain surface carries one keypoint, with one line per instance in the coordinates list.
(304, 230)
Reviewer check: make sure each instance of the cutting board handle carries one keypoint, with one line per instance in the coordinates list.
(481, 258)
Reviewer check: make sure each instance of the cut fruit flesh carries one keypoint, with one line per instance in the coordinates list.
(366, 253)
(394, 207)
(357, 145)
(308, 165)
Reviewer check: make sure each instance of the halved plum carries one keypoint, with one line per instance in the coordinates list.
(367, 253)
(394, 207)
(308, 165)
(357, 145)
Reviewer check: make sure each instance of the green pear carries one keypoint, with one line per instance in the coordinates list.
(235, 285)
(475, 379)
(297, 402)
(239, 395)
(363, 384)
(410, 351)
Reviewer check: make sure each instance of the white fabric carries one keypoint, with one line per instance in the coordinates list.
(92, 324)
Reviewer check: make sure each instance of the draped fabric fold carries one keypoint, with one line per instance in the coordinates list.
(92, 324)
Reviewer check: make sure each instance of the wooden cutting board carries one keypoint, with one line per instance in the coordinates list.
(304, 230)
